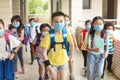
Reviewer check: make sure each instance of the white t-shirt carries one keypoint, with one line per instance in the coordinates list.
(14, 42)
(33, 33)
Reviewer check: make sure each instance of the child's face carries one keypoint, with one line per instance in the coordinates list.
(58, 19)
(15, 22)
(45, 29)
(1, 26)
(67, 19)
(98, 22)
(110, 28)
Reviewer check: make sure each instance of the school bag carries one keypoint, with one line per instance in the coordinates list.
(26, 34)
(65, 43)
(38, 40)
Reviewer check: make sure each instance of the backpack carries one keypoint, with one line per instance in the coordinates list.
(84, 31)
(65, 43)
(26, 34)
(6, 35)
(38, 40)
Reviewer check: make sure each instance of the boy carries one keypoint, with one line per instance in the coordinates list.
(57, 58)
(7, 43)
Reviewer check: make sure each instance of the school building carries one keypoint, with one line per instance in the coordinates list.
(78, 10)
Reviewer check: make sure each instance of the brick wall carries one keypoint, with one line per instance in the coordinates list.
(116, 60)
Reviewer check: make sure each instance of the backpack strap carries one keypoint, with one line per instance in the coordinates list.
(65, 44)
(38, 36)
(36, 29)
(6, 35)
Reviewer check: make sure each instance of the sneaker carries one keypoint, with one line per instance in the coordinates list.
(101, 78)
(71, 77)
(23, 70)
(16, 74)
(40, 78)
(46, 76)
(85, 73)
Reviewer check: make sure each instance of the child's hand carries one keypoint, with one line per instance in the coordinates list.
(34, 54)
(97, 50)
(105, 55)
(51, 70)
(11, 56)
(77, 49)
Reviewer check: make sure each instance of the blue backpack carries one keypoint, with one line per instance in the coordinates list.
(65, 43)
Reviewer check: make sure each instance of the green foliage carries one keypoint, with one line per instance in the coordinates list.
(38, 6)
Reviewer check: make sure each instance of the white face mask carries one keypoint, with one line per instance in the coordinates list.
(109, 31)
(44, 33)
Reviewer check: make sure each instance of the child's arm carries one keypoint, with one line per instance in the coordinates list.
(92, 50)
(21, 35)
(81, 41)
(75, 42)
(14, 52)
(71, 51)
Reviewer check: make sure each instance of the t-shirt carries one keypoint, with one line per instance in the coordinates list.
(111, 45)
(98, 42)
(58, 57)
(14, 42)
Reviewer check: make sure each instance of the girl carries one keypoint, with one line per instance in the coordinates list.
(109, 29)
(44, 28)
(17, 28)
(97, 53)
(67, 25)
(83, 43)
(33, 32)
(7, 42)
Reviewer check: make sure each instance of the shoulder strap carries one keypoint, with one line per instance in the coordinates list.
(36, 29)
(64, 33)
(7, 37)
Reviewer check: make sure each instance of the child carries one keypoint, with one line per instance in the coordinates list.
(83, 42)
(97, 53)
(67, 26)
(44, 28)
(17, 29)
(55, 42)
(109, 28)
(7, 42)
(33, 32)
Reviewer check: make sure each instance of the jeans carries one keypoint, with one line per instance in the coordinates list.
(6, 70)
(95, 64)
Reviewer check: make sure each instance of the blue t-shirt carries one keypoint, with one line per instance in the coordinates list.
(98, 42)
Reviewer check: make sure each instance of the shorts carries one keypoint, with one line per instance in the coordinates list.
(61, 67)
(40, 60)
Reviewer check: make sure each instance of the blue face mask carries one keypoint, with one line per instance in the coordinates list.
(88, 27)
(15, 25)
(98, 28)
(67, 23)
(1, 32)
(59, 26)
(32, 24)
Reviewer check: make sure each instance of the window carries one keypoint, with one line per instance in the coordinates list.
(86, 4)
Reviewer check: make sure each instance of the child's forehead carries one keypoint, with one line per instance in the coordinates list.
(58, 18)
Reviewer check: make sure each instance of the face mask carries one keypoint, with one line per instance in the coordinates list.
(32, 24)
(88, 27)
(44, 33)
(67, 23)
(98, 28)
(58, 26)
(1, 32)
(15, 25)
(109, 31)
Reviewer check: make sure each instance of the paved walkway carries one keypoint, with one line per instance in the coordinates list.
(31, 72)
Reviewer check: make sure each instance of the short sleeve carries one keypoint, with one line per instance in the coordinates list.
(89, 40)
(46, 41)
(107, 40)
(14, 42)
(70, 39)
